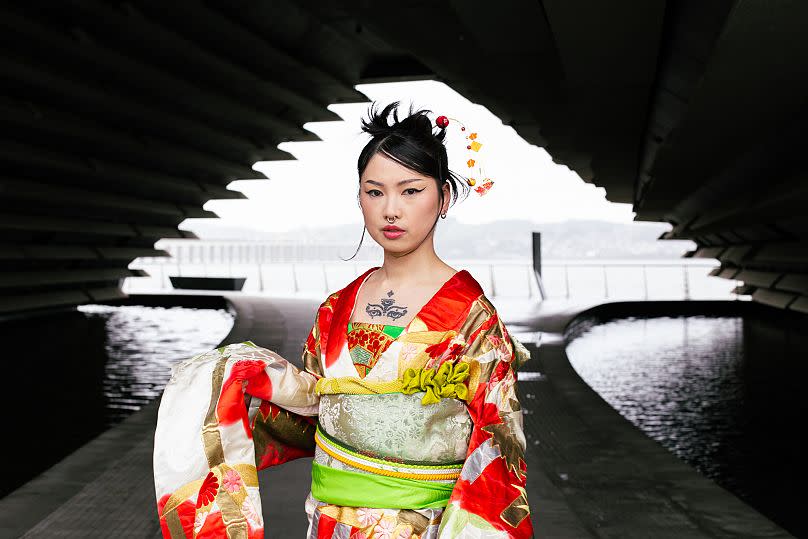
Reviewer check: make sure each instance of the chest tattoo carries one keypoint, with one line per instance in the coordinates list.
(386, 307)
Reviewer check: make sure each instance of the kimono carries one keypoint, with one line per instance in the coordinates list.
(428, 444)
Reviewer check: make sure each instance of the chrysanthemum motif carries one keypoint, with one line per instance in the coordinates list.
(231, 481)
(368, 516)
(208, 490)
(384, 529)
(470, 163)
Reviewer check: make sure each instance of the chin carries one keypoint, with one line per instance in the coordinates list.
(395, 245)
(391, 245)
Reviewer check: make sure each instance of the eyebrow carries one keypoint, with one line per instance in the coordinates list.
(402, 182)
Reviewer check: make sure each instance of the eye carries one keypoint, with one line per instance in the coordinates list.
(413, 189)
(372, 191)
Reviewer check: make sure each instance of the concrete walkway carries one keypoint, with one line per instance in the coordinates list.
(591, 473)
(607, 476)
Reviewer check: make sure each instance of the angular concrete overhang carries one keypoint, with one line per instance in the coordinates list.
(121, 119)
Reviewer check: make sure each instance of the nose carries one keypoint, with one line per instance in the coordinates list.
(391, 207)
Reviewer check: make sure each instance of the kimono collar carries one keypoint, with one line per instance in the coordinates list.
(445, 310)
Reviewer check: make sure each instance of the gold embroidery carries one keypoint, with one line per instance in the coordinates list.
(418, 521)
(311, 358)
(479, 313)
(518, 509)
(474, 377)
(175, 528)
(180, 495)
(504, 436)
(427, 337)
(355, 386)
(230, 504)
(404, 517)
(248, 473)
(346, 515)
(211, 438)
(249, 477)
(283, 427)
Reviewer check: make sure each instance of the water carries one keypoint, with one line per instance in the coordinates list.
(71, 375)
(144, 342)
(725, 394)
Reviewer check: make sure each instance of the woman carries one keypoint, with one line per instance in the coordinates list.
(407, 399)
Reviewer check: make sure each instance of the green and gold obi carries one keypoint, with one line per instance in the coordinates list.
(391, 443)
(388, 450)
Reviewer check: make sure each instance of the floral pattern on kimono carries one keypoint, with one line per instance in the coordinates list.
(261, 406)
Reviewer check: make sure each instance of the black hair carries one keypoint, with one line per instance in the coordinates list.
(412, 143)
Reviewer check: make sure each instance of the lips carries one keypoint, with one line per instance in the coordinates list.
(392, 232)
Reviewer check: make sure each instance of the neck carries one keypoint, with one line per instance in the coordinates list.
(414, 266)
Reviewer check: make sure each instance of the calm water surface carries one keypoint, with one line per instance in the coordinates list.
(725, 394)
(75, 373)
(144, 342)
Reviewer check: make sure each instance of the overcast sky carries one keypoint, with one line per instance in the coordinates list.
(320, 187)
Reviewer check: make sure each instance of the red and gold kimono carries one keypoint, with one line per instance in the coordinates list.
(423, 440)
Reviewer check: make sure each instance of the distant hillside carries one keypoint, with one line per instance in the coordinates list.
(505, 239)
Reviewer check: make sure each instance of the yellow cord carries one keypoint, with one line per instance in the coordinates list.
(382, 471)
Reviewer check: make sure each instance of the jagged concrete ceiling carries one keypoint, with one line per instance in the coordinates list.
(121, 119)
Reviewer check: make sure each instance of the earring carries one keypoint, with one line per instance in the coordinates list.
(443, 216)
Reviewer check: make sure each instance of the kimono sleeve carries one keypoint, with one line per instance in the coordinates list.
(281, 431)
(223, 415)
(489, 498)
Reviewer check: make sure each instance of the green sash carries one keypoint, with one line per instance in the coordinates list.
(358, 489)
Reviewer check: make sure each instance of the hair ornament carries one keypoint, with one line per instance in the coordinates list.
(472, 145)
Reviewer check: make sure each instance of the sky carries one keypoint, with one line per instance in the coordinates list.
(319, 188)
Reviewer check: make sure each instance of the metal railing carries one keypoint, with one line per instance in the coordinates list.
(646, 280)
(694, 274)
